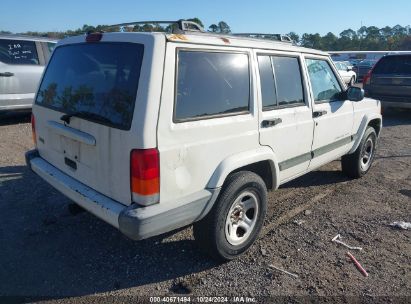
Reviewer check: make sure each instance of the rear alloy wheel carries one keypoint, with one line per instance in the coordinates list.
(357, 164)
(235, 220)
(241, 218)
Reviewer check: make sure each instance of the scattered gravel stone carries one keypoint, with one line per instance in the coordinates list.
(263, 251)
(299, 222)
(83, 257)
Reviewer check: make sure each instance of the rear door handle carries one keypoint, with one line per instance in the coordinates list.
(319, 113)
(271, 122)
(6, 74)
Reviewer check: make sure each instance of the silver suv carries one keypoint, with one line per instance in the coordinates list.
(22, 60)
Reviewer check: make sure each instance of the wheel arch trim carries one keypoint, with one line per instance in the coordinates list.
(236, 161)
(365, 122)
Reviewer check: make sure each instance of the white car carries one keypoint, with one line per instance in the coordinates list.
(154, 131)
(22, 61)
(346, 72)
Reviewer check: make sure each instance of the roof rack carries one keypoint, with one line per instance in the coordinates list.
(176, 27)
(277, 37)
(183, 26)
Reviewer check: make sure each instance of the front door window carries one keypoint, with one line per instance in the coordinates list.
(324, 83)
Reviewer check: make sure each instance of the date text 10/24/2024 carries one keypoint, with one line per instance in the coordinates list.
(202, 299)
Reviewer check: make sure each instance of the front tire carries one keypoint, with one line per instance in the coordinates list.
(236, 218)
(357, 164)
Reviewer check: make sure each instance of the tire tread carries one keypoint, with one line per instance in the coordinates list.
(350, 162)
(203, 230)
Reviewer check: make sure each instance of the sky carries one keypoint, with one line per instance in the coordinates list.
(315, 16)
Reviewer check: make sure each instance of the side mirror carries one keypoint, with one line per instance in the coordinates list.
(355, 94)
(348, 69)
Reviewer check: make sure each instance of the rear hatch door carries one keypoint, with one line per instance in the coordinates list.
(84, 112)
(392, 77)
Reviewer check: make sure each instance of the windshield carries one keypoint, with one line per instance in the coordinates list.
(96, 78)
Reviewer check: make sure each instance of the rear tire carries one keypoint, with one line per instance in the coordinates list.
(357, 164)
(236, 218)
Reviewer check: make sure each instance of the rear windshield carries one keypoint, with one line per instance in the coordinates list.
(96, 78)
(394, 65)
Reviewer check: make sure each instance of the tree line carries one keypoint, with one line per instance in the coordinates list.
(369, 38)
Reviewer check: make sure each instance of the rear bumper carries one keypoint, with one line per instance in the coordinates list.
(393, 101)
(134, 221)
(390, 104)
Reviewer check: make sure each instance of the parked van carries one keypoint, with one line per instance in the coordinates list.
(22, 61)
(155, 131)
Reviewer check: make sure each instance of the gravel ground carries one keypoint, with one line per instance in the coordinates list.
(47, 252)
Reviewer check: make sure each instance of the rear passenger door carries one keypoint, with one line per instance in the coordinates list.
(207, 114)
(332, 113)
(286, 123)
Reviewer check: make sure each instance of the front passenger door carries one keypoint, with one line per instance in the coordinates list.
(332, 113)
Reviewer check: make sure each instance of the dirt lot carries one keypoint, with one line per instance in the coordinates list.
(46, 251)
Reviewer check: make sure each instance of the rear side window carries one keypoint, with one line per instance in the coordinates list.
(98, 79)
(211, 84)
(268, 93)
(281, 81)
(324, 83)
(288, 79)
(394, 65)
(18, 52)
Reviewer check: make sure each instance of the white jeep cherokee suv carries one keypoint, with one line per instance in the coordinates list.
(154, 131)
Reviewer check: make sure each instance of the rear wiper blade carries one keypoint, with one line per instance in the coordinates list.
(87, 115)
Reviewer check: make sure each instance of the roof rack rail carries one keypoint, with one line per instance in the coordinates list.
(277, 37)
(180, 26)
(183, 26)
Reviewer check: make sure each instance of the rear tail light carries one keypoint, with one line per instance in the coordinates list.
(33, 129)
(367, 78)
(145, 176)
(94, 37)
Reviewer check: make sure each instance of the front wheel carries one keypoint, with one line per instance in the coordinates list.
(235, 220)
(357, 164)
